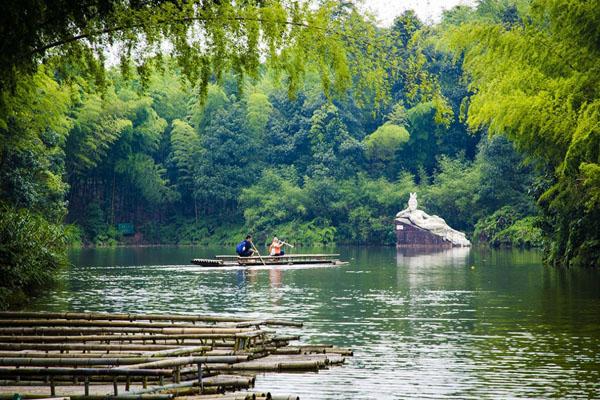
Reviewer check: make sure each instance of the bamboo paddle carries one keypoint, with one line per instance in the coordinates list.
(259, 256)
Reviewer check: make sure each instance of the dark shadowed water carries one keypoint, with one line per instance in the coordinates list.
(454, 324)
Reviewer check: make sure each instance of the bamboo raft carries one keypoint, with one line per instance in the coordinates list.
(94, 356)
(294, 259)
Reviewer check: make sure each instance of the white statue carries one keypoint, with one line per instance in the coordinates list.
(412, 202)
(432, 223)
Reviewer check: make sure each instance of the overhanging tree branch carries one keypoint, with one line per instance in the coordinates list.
(64, 41)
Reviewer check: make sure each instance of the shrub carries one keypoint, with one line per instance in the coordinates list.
(73, 235)
(506, 228)
(488, 227)
(523, 233)
(31, 251)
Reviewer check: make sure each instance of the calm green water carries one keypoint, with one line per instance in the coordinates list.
(456, 324)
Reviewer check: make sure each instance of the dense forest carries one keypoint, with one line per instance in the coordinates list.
(315, 128)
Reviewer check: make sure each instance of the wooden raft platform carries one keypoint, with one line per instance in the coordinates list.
(93, 356)
(293, 259)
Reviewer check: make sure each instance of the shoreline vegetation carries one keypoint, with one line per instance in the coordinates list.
(489, 232)
(312, 123)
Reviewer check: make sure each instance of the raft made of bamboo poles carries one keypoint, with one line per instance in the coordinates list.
(64, 350)
(288, 259)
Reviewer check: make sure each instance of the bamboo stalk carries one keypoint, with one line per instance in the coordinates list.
(48, 316)
(11, 323)
(60, 330)
(283, 338)
(89, 354)
(69, 380)
(138, 362)
(178, 361)
(100, 347)
(126, 338)
(106, 323)
(10, 396)
(28, 371)
(268, 366)
(178, 351)
(116, 316)
(230, 381)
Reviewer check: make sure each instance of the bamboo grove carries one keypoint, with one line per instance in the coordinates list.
(196, 122)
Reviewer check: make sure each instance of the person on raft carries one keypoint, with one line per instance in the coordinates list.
(245, 248)
(275, 249)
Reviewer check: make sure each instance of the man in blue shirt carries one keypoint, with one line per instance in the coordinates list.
(245, 248)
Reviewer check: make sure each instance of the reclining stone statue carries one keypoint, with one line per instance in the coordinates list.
(432, 223)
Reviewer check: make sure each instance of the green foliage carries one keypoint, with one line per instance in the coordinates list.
(206, 39)
(356, 210)
(454, 193)
(31, 252)
(147, 177)
(383, 144)
(523, 233)
(317, 232)
(505, 177)
(506, 227)
(537, 83)
(259, 110)
(185, 148)
(98, 124)
(108, 237)
(73, 235)
(95, 222)
(334, 150)
(32, 132)
(488, 227)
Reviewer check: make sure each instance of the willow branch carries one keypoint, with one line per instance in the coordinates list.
(64, 41)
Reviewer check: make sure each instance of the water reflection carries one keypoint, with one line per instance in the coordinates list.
(412, 258)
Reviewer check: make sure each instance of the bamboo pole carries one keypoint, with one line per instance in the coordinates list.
(101, 347)
(178, 351)
(28, 371)
(137, 362)
(64, 330)
(126, 338)
(137, 324)
(10, 396)
(178, 361)
(74, 380)
(269, 366)
(231, 381)
(116, 316)
(87, 354)
(100, 323)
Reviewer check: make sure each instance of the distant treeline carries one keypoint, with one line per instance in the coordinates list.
(314, 170)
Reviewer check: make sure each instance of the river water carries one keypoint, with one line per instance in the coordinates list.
(452, 324)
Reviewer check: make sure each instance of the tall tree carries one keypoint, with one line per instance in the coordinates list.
(535, 79)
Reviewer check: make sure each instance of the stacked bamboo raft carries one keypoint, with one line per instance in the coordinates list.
(92, 356)
(293, 259)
